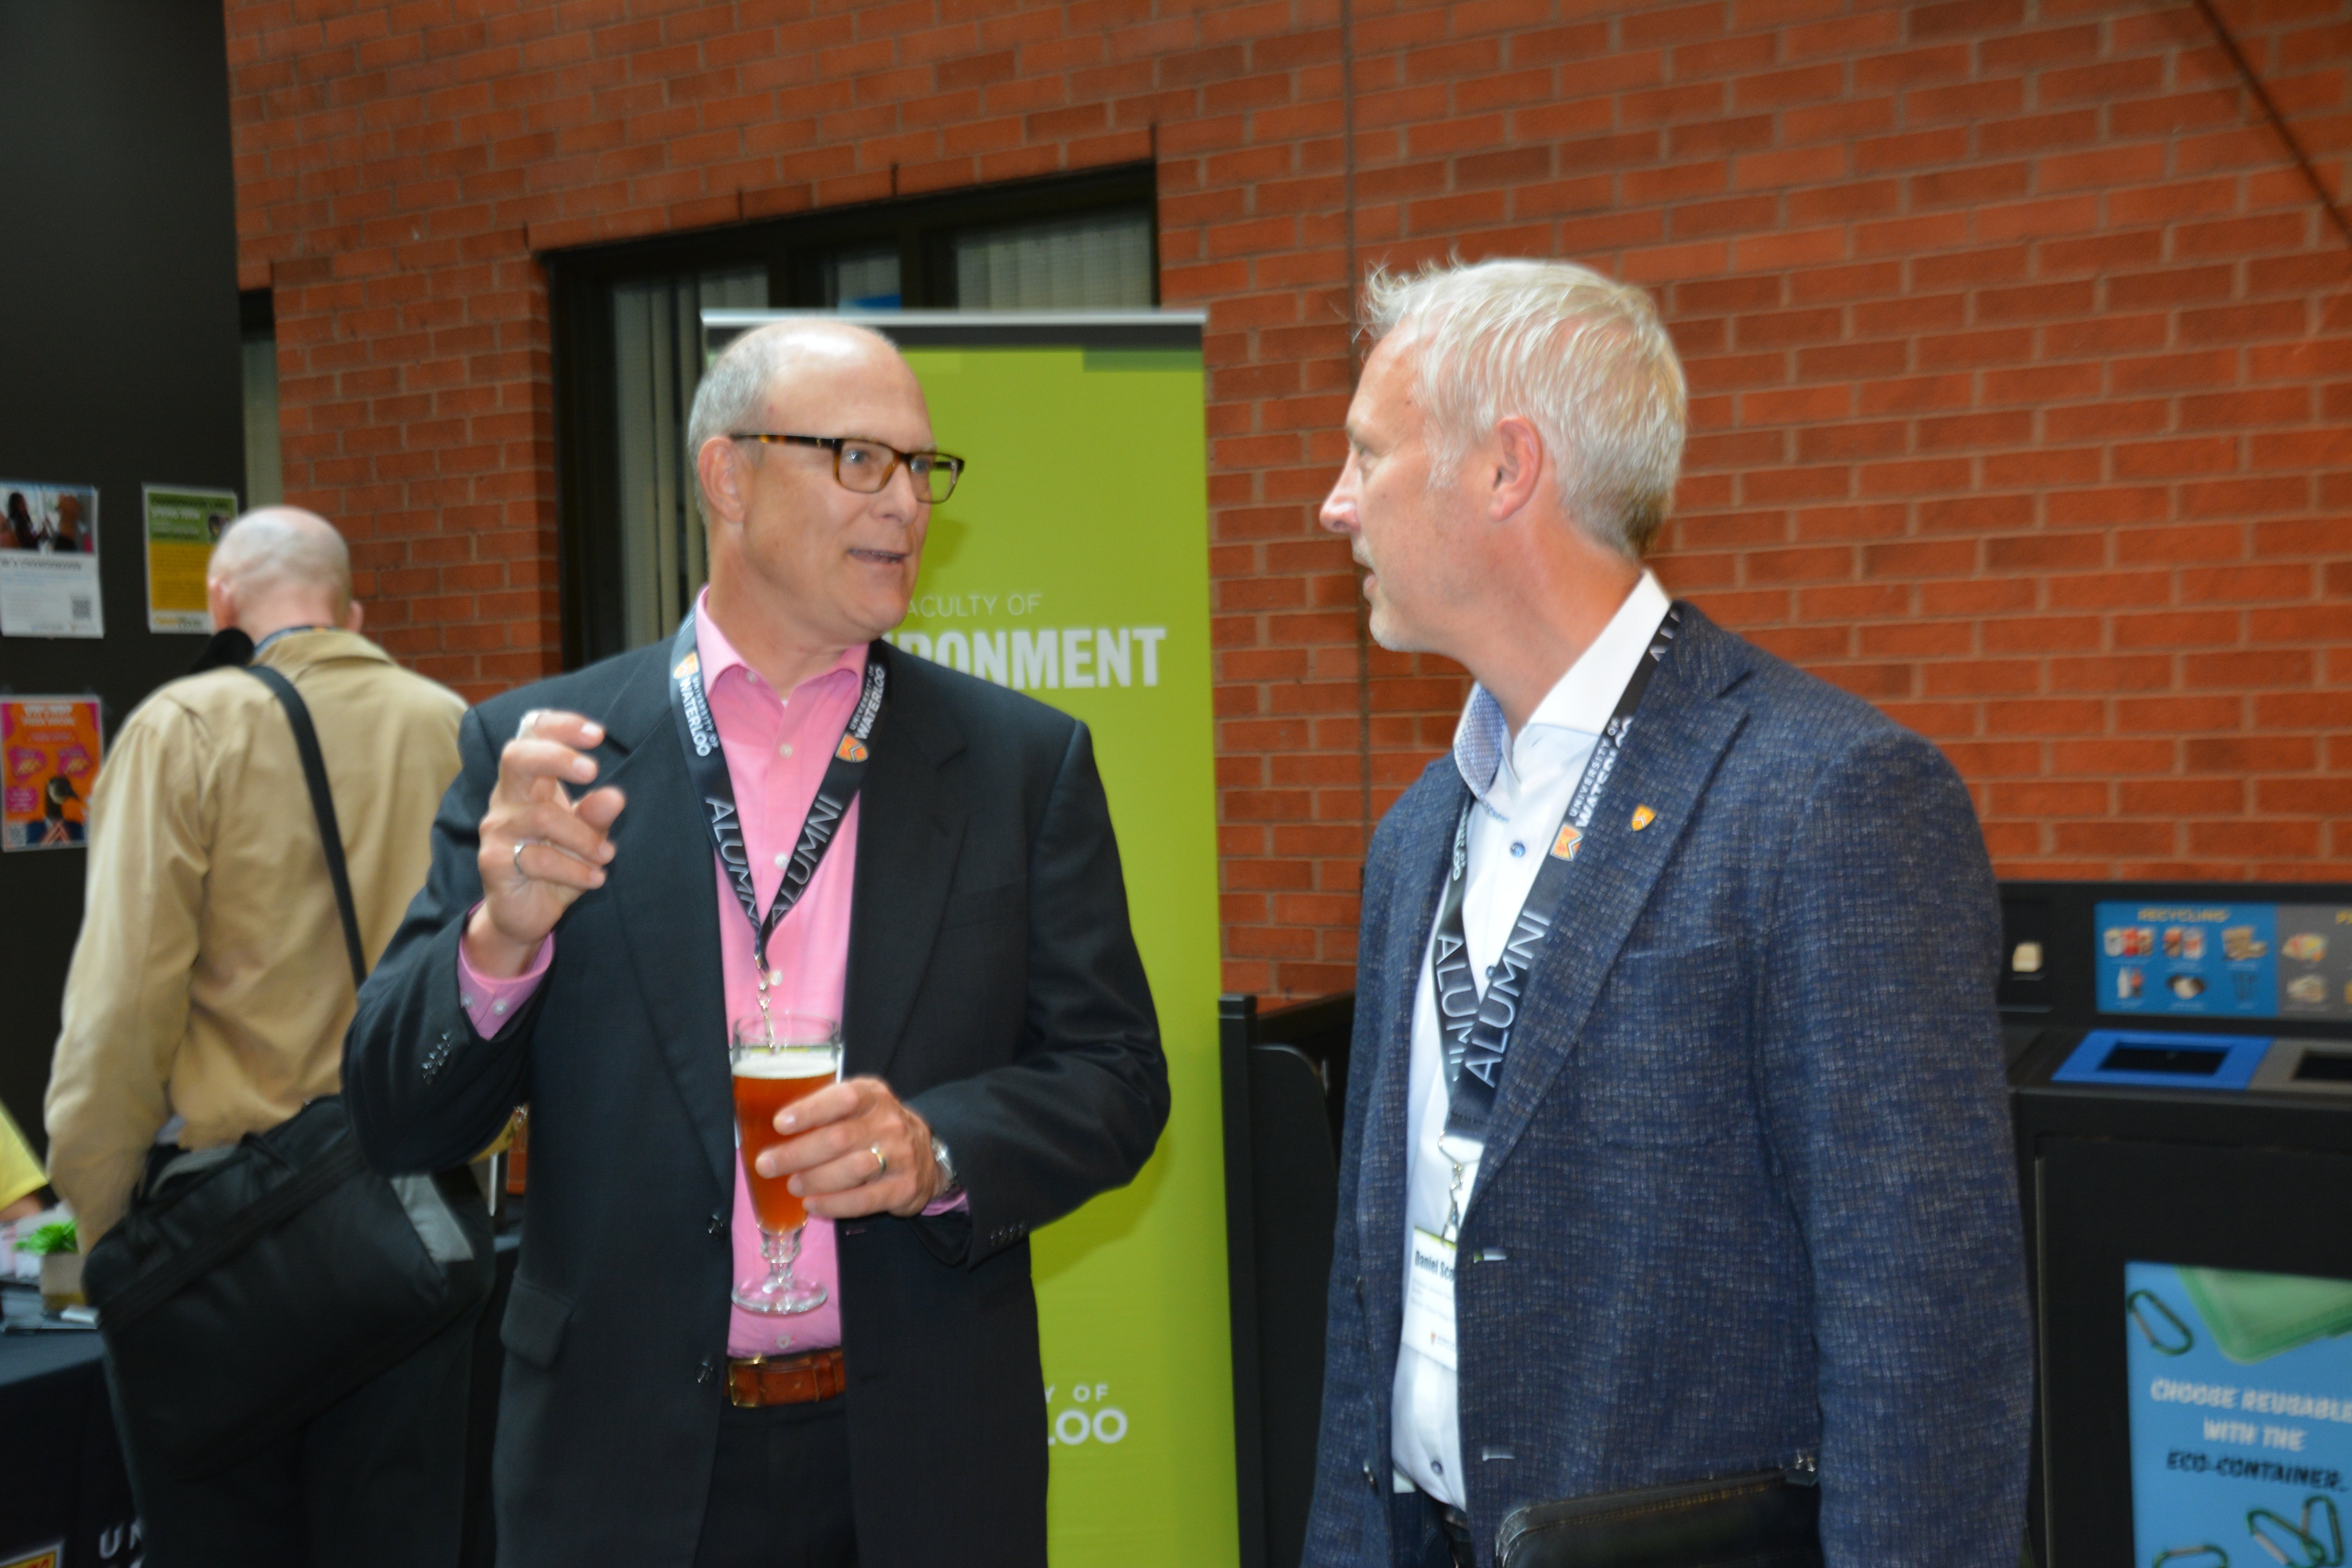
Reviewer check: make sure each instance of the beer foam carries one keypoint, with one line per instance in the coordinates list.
(787, 1062)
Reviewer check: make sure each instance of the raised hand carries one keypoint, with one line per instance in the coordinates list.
(540, 848)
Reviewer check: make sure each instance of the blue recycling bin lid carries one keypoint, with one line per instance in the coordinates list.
(2147, 1059)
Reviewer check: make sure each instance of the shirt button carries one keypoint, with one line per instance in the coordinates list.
(785, 750)
(1517, 850)
(783, 861)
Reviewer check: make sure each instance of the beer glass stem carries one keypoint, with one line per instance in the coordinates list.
(782, 1248)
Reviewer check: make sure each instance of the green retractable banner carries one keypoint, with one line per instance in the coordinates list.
(1072, 562)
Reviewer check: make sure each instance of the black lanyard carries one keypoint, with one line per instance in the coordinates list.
(1473, 1027)
(706, 764)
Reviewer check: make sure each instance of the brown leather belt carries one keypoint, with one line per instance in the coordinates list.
(755, 1381)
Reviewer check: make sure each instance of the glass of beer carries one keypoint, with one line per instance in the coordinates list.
(778, 1059)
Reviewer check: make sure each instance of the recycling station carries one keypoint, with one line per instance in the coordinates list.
(2181, 1081)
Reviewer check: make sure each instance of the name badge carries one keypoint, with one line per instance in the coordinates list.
(1429, 1300)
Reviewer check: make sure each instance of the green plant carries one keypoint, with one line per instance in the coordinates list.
(56, 1237)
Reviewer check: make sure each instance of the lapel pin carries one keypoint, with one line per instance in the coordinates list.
(1642, 817)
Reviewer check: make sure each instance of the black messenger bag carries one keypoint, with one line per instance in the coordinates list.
(1769, 1519)
(254, 1284)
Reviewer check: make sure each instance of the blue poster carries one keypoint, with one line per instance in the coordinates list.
(2189, 960)
(2241, 1416)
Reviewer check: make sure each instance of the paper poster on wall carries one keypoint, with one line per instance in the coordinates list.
(183, 526)
(49, 561)
(50, 748)
(2240, 1404)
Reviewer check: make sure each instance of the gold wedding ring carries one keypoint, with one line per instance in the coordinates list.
(518, 857)
(881, 1161)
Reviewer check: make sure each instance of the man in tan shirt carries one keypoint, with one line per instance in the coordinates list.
(209, 993)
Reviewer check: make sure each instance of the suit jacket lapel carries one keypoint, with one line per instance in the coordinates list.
(1423, 842)
(1678, 738)
(662, 884)
(909, 826)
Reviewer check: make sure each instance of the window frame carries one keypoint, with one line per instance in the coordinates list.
(580, 283)
(257, 323)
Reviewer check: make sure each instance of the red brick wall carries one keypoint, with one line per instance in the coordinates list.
(2019, 345)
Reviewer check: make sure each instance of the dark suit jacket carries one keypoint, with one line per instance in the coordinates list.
(1748, 1193)
(992, 982)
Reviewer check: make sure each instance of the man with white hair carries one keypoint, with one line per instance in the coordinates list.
(773, 812)
(1678, 1223)
(209, 992)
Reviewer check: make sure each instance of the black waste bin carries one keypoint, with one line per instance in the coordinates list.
(1286, 1081)
(2181, 1081)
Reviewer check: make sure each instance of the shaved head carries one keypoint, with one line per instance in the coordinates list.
(281, 565)
(806, 563)
(775, 360)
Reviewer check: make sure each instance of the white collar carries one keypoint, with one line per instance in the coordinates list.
(1581, 699)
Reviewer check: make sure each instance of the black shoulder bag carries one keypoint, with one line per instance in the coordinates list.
(254, 1284)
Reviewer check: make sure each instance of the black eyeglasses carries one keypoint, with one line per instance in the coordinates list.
(867, 466)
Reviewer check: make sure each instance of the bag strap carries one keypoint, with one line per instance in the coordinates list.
(322, 802)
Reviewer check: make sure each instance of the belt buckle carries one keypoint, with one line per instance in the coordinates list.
(751, 1364)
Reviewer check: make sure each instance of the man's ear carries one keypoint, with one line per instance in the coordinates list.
(353, 615)
(221, 600)
(719, 468)
(1516, 460)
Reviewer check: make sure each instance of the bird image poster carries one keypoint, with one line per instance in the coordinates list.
(50, 748)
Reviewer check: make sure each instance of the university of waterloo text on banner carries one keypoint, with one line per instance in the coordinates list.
(1072, 563)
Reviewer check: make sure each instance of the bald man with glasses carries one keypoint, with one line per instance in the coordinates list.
(775, 810)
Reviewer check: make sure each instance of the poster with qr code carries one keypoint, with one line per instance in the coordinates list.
(50, 748)
(49, 561)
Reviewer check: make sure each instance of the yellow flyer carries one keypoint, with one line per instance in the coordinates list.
(183, 526)
(50, 746)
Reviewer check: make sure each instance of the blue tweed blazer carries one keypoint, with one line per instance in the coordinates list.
(1748, 1193)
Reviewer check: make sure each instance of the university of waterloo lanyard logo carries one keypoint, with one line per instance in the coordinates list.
(702, 733)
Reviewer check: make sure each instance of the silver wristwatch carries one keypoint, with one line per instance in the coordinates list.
(940, 1158)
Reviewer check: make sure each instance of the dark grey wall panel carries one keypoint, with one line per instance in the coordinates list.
(118, 366)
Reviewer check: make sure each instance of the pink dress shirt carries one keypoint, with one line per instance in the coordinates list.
(776, 751)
